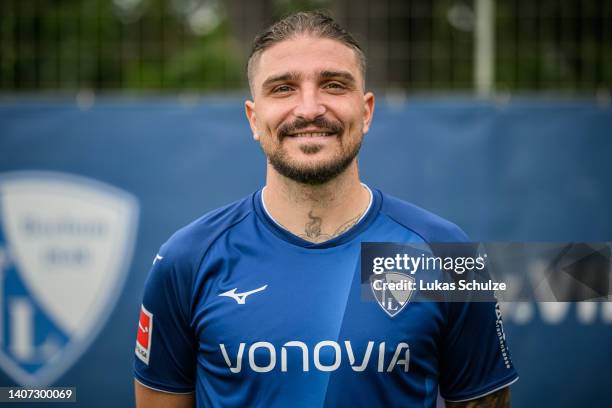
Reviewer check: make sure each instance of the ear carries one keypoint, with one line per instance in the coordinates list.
(249, 110)
(368, 105)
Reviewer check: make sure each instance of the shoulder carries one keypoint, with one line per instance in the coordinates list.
(188, 244)
(431, 227)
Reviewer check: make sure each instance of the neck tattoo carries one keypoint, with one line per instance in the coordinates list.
(312, 230)
(313, 233)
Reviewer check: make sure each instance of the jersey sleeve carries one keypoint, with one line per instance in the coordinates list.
(475, 360)
(166, 347)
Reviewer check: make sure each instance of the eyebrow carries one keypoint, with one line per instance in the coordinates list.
(295, 76)
(345, 75)
(287, 76)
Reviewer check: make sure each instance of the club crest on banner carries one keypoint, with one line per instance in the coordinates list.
(66, 243)
(392, 291)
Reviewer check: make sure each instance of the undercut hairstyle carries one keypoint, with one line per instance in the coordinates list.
(314, 23)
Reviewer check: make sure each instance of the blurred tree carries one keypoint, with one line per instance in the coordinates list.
(101, 44)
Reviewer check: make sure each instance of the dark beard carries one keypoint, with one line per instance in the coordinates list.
(312, 176)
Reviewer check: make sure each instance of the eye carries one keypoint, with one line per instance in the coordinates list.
(282, 89)
(335, 86)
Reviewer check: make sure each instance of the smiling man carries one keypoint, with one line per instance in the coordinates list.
(258, 303)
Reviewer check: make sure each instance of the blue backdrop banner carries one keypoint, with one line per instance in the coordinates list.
(87, 196)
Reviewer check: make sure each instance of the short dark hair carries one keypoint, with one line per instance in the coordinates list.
(315, 23)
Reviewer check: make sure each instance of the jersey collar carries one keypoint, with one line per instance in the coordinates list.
(282, 233)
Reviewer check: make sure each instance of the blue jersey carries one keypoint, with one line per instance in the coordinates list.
(245, 313)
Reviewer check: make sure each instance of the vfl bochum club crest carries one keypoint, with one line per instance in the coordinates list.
(65, 246)
(392, 291)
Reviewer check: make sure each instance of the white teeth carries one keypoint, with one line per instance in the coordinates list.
(319, 134)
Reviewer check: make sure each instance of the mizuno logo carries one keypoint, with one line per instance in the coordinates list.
(158, 257)
(240, 298)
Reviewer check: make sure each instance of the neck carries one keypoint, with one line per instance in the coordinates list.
(316, 213)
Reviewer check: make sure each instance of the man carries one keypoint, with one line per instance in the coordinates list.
(258, 303)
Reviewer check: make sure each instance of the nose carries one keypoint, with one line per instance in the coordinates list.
(309, 106)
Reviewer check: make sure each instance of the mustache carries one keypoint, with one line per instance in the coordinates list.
(331, 126)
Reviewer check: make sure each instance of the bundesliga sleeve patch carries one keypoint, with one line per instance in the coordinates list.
(143, 339)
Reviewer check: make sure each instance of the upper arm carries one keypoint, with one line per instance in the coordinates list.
(166, 345)
(497, 399)
(474, 354)
(150, 398)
